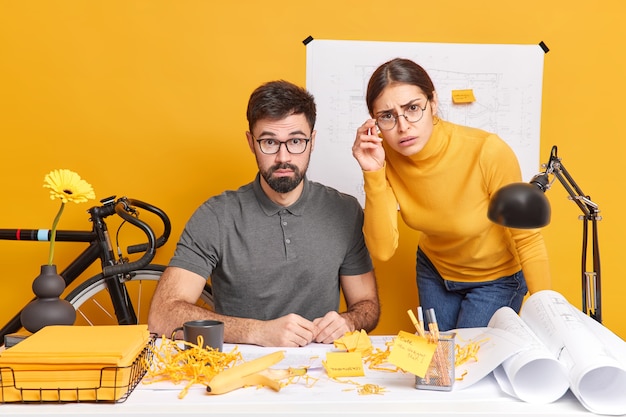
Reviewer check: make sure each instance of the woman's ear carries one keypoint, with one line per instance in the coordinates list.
(434, 103)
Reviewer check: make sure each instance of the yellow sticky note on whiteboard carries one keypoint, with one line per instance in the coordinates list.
(463, 96)
(412, 353)
(344, 364)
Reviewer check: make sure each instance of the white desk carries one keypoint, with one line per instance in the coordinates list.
(326, 397)
(482, 399)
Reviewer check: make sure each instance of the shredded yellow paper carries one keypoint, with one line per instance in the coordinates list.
(362, 389)
(378, 359)
(467, 352)
(190, 364)
(369, 389)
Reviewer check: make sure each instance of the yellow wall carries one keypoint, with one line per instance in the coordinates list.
(147, 99)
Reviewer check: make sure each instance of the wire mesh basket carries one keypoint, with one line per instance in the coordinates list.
(110, 384)
(440, 373)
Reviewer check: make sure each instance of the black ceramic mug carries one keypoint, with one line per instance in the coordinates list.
(212, 332)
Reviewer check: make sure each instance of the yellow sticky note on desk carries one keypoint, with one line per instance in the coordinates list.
(412, 353)
(356, 341)
(463, 96)
(344, 364)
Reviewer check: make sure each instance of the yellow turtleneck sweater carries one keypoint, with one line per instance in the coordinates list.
(443, 191)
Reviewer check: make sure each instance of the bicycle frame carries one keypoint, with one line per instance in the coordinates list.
(100, 247)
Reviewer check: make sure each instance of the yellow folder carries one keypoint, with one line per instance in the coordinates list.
(71, 363)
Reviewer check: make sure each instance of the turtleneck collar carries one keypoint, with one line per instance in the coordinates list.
(436, 143)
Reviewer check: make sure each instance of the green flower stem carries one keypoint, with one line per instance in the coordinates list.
(53, 233)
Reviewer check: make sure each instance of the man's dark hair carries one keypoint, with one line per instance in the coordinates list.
(278, 99)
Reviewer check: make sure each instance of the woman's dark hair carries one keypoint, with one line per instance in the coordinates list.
(398, 70)
(278, 99)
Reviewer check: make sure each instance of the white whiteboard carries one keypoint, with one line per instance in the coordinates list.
(506, 81)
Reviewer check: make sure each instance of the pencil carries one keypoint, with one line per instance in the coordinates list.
(433, 324)
(418, 327)
(440, 357)
(420, 318)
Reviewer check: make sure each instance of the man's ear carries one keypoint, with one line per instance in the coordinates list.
(313, 133)
(250, 139)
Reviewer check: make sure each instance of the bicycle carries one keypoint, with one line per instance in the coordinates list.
(116, 294)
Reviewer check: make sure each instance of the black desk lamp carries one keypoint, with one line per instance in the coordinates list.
(524, 206)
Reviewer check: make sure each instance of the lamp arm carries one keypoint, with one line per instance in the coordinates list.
(587, 206)
(591, 283)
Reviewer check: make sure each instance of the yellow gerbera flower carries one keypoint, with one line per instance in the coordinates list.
(67, 186)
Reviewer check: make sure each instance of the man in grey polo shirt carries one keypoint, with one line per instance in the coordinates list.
(277, 250)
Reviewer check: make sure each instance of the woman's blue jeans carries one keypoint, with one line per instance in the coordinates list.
(466, 304)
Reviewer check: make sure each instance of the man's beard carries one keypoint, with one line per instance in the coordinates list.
(283, 185)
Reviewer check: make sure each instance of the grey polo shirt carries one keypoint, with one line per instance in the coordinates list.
(265, 260)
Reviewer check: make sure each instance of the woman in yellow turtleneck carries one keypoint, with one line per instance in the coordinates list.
(441, 176)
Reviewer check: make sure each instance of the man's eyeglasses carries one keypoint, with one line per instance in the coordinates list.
(413, 113)
(293, 145)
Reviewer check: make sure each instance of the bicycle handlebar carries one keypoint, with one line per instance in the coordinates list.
(167, 227)
(125, 208)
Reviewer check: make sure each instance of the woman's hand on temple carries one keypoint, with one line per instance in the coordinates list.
(368, 147)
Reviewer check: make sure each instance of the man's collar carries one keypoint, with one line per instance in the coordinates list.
(270, 208)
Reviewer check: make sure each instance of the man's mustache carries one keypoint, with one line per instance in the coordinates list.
(283, 166)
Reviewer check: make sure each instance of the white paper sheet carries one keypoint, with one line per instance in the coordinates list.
(597, 374)
(533, 374)
(495, 347)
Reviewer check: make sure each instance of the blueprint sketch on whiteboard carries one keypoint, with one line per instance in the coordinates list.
(506, 81)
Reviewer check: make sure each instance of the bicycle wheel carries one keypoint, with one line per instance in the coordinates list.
(94, 307)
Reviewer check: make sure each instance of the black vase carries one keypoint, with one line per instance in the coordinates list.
(48, 309)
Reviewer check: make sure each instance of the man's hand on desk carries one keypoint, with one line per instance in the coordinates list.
(294, 330)
(331, 327)
(291, 330)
